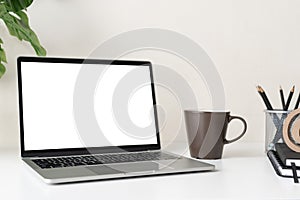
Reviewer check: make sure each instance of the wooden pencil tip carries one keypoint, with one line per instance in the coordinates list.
(261, 89)
(293, 89)
(258, 88)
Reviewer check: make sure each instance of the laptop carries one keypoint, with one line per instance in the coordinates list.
(88, 119)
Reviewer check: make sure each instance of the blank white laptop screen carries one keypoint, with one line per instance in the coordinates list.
(48, 92)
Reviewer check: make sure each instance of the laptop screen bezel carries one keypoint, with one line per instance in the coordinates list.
(81, 151)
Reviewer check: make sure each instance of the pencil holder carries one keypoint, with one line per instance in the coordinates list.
(273, 127)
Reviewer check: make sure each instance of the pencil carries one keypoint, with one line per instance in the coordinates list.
(298, 101)
(264, 97)
(282, 97)
(286, 107)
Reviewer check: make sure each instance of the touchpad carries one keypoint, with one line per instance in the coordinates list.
(137, 167)
(125, 168)
(103, 170)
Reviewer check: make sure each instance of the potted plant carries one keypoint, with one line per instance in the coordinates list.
(13, 14)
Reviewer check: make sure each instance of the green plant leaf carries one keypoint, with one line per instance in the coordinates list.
(2, 59)
(2, 52)
(19, 27)
(23, 18)
(17, 5)
(2, 70)
(2, 55)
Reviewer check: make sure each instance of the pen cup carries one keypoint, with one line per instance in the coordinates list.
(274, 124)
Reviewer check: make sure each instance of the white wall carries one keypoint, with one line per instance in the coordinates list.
(250, 42)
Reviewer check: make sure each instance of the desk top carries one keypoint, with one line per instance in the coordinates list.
(244, 172)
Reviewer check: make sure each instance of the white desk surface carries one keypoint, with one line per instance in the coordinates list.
(244, 173)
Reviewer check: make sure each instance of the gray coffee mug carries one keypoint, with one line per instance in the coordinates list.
(206, 132)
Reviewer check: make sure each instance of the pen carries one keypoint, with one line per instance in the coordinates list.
(264, 97)
(282, 97)
(286, 107)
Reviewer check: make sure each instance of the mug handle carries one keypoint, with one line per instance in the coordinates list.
(242, 134)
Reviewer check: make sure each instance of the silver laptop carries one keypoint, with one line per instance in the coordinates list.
(92, 120)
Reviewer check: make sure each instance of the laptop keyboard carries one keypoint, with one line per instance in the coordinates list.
(71, 161)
